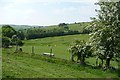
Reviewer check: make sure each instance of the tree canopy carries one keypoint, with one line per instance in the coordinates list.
(5, 42)
(8, 31)
(80, 49)
(106, 30)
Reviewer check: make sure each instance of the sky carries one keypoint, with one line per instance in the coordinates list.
(46, 12)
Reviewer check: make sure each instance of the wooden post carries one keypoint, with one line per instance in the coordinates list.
(32, 49)
(51, 49)
(16, 47)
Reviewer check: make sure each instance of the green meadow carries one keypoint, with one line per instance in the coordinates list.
(60, 45)
(27, 65)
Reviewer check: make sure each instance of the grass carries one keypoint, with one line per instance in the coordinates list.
(72, 26)
(60, 45)
(26, 66)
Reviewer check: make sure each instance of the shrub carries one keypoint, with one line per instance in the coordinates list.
(5, 42)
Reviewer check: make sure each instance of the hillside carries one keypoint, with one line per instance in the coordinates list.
(18, 27)
(24, 65)
(72, 26)
(60, 44)
(37, 66)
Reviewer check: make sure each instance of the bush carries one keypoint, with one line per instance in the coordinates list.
(5, 42)
(20, 43)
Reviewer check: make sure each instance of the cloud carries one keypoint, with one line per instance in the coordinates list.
(46, 1)
(14, 13)
(45, 12)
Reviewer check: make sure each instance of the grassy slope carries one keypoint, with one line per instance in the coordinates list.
(60, 45)
(25, 66)
(72, 26)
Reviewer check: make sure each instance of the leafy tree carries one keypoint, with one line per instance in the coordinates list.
(80, 49)
(19, 42)
(8, 31)
(20, 35)
(15, 40)
(64, 26)
(5, 42)
(106, 30)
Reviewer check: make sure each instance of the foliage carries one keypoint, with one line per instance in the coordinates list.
(20, 34)
(8, 31)
(5, 42)
(81, 50)
(41, 33)
(16, 41)
(11, 37)
(106, 35)
(64, 26)
(19, 42)
(14, 38)
(55, 30)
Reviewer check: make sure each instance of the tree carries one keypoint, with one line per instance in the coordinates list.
(15, 40)
(20, 35)
(8, 31)
(5, 42)
(106, 35)
(80, 49)
(20, 43)
(64, 26)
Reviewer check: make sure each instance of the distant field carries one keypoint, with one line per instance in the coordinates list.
(73, 26)
(60, 45)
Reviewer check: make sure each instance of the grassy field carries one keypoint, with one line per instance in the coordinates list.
(27, 66)
(77, 27)
(60, 45)
(24, 65)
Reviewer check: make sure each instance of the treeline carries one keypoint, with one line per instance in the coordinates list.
(61, 30)
(37, 32)
(41, 33)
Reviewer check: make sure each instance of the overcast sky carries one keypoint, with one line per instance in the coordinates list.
(46, 12)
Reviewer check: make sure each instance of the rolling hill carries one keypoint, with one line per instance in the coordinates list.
(28, 65)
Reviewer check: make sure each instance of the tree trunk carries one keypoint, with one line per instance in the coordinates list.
(51, 50)
(32, 49)
(107, 62)
(72, 57)
(78, 58)
(82, 60)
(16, 48)
(96, 61)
